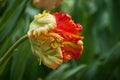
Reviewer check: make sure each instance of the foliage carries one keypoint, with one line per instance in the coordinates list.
(101, 56)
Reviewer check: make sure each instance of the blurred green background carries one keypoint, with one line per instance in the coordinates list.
(101, 28)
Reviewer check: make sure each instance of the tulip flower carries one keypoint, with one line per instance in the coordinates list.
(55, 39)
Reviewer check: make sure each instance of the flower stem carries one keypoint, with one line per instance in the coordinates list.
(9, 53)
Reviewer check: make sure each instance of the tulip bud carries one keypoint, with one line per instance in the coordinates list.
(46, 4)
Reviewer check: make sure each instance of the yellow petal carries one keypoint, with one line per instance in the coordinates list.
(51, 57)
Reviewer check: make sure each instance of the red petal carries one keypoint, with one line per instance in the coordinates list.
(67, 29)
(66, 56)
(68, 36)
(73, 49)
(65, 23)
(79, 27)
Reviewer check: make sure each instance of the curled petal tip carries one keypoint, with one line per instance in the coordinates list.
(80, 42)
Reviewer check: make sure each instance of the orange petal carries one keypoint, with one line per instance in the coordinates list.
(75, 50)
(68, 36)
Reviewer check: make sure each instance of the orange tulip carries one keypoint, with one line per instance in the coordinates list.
(55, 39)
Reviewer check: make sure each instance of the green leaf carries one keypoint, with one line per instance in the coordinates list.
(102, 68)
(3, 66)
(113, 58)
(57, 73)
(32, 70)
(10, 18)
(19, 61)
(70, 73)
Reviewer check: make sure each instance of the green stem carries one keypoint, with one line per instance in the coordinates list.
(9, 53)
